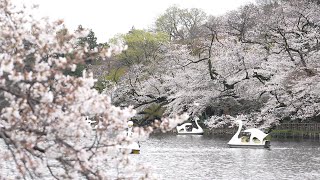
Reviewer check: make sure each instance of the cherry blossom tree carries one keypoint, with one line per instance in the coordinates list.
(260, 61)
(43, 132)
(282, 44)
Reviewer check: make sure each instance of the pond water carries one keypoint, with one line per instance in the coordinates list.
(182, 157)
(208, 157)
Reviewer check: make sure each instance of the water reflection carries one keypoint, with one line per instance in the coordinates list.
(203, 157)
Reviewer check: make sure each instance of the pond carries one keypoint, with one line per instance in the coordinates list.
(209, 157)
(182, 157)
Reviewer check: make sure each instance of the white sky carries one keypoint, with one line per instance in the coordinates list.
(108, 17)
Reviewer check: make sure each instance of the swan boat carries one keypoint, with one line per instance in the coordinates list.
(133, 146)
(255, 138)
(188, 129)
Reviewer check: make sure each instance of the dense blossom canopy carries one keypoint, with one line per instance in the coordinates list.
(261, 61)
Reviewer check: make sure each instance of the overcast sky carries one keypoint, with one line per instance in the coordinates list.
(109, 17)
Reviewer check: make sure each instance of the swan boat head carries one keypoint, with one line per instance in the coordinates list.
(235, 138)
(198, 129)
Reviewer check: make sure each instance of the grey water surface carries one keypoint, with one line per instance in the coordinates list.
(208, 157)
(185, 157)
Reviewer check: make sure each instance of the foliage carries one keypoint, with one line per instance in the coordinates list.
(143, 46)
(151, 113)
(89, 40)
(109, 80)
(115, 74)
(77, 72)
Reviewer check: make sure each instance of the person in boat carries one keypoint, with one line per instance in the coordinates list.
(189, 128)
(245, 137)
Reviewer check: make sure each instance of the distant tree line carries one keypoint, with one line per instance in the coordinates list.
(259, 60)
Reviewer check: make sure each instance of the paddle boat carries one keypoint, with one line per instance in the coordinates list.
(134, 147)
(188, 129)
(253, 138)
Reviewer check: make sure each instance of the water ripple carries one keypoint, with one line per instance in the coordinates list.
(175, 157)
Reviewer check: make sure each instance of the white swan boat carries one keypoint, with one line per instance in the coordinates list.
(255, 138)
(134, 147)
(188, 129)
